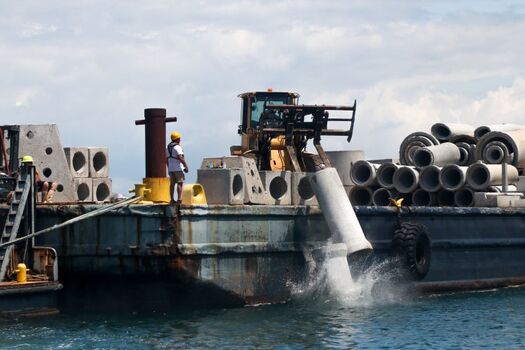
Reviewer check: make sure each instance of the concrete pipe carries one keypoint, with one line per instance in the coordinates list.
(494, 153)
(513, 140)
(480, 175)
(411, 143)
(406, 179)
(381, 196)
(338, 212)
(452, 177)
(464, 197)
(499, 189)
(364, 173)
(385, 175)
(443, 154)
(467, 154)
(445, 198)
(429, 178)
(422, 198)
(485, 129)
(360, 195)
(445, 131)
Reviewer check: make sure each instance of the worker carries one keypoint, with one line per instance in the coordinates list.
(176, 164)
(48, 189)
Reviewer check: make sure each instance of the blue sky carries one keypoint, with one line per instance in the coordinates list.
(93, 66)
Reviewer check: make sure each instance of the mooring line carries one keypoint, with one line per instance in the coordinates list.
(77, 219)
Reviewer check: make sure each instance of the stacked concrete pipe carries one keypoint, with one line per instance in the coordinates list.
(443, 154)
(445, 131)
(464, 197)
(385, 175)
(364, 173)
(413, 142)
(499, 142)
(445, 198)
(480, 176)
(452, 177)
(467, 153)
(485, 129)
(421, 197)
(429, 178)
(381, 197)
(406, 179)
(360, 195)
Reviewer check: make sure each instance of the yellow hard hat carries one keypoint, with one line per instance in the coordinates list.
(175, 135)
(27, 159)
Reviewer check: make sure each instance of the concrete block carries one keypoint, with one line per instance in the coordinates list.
(101, 189)
(84, 189)
(342, 161)
(78, 161)
(254, 190)
(508, 200)
(98, 161)
(520, 186)
(222, 186)
(492, 199)
(279, 185)
(302, 191)
(42, 142)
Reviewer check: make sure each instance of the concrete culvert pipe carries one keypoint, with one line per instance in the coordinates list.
(429, 178)
(464, 197)
(413, 142)
(452, 177)
(423, 198)
(513, 140)
(494, 153)
(385, 175)
(278, 187)
(443, 154)
(381, 196)
(467, 153)
(83, 192)
(445, 131)
(480, 176)
(406, 179)
(485, 129)
(360, 195)
(364, 173)
(102, 193)
(445, 198)
(79, 162)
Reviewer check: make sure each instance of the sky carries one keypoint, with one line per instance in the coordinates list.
(92, 67)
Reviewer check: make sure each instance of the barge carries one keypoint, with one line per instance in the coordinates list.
(246, 245)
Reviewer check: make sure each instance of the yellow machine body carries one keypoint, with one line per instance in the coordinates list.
(193, 194)
(280, 160)
(159, 189)
(21, 273)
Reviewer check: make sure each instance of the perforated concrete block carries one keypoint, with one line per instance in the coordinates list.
(279, 186)
(342, 161)
(222, 186)
(254, 190)
(42, 142)
(84, 189)
(78, 161)
(98, 161)
(101, 189)
(302, 191)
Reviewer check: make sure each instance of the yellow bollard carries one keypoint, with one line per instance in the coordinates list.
(21, 273)
(193, 194)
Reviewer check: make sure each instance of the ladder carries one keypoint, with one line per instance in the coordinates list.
(13, 220)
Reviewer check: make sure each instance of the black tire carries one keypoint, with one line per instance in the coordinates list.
(411, 243)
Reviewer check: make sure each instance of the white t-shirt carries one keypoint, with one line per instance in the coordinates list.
(174, 163)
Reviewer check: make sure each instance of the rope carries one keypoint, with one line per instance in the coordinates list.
(72, 221)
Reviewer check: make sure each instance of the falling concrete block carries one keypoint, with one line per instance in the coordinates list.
(302, 191)
(342, 161)
(279, 185)
(101, 189)
(84, 189)
(78, 161)
(254, 190)
(98, 162)
(42, 142)
(222, 186)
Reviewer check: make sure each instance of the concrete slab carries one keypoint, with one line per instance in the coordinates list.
(42, 142)
(494, 199)
(302, 192)
(78, 161)
(98, 162)
(222, 186)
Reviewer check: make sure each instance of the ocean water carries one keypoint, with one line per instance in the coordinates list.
(330, 311)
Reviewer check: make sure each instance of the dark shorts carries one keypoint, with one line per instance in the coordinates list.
(39, 185)
(177, 176)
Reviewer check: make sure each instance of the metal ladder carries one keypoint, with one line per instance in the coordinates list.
(13, 220)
